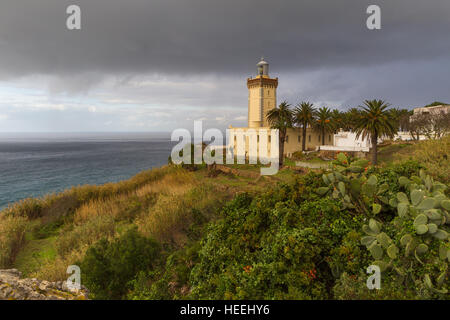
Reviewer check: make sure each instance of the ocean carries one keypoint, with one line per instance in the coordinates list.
(35, 164)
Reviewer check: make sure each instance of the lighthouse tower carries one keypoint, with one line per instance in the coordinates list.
(262, 96)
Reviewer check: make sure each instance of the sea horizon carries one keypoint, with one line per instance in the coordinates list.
(52, 135)
(33, 164)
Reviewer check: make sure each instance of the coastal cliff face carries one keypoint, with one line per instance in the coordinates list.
(12, 287)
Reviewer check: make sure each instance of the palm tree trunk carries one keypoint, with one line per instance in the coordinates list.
(281, 148)
(374, 149)
(323, 136)
(304, 138)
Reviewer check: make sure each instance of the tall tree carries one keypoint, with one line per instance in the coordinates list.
(394, 113)
(404, 118)
(280, 118)
(304, 115)
(323, 124)
(400, 118)
(337, 120)
(419, 125)
(373, 123)
(352, 117)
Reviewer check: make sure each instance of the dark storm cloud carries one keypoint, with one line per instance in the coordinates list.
(157, 65)
(186, 37)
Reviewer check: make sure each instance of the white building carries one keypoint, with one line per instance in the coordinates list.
(436, 110)
(347, 141)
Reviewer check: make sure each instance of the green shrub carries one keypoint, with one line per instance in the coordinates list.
(409, 239)
(272, 246)
(74, 237)
(294, 243)
(43, 231)
(433, 154)
(414, 247)
(354, 287)
(350, 182)
(108, 267)
(172, 281)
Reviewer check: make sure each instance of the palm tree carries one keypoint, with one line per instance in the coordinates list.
(404, 117)
(373, 123)
(337, 120)
(352, 117)
(394, 114)
(323, 124)
(304, 115)
(280, 118)
(400, 118)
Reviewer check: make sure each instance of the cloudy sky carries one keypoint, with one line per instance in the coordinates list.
(156, 65)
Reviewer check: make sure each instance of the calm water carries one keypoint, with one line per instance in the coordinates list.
(33, 165)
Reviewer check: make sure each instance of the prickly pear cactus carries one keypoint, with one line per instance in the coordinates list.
(413, 247)
(348, 181)
(420, 231)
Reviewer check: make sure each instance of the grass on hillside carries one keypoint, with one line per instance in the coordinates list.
(392, 152)
(41, 237)
(433, 154)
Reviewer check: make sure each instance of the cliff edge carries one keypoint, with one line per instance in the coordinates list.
(12, 287)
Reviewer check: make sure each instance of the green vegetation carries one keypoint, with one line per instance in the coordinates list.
(292, 243)
(41, 237)
(373, 123)
(224, 232)
(280, 118)
(304, 116)
(324, 124)
(34, 252)
(390, 152)
(110, 265)
(431, 154)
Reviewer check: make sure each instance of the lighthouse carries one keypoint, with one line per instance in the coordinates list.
(262, 95)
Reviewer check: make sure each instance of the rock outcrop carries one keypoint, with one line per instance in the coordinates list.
(12, 287)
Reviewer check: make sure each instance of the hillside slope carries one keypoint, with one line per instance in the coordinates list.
(434, 155)
(201, 233)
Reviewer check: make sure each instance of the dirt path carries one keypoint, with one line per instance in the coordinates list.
(312, 165)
